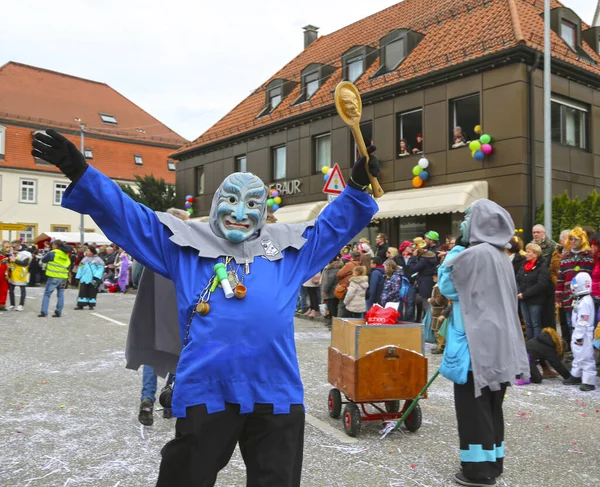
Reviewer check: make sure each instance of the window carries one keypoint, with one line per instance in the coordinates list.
(569, 122)
(241, 164)
(28, 191)
(410, 130)
(29, 233)
(311, 83)
(138, 160)
(322, 148)
(279, 159)
(89, 230)
(88, 153)
(59, 189)
(2, 141)
(355, 68)
(109, 119)
(171, 165)
(275, 98)
(200, 180)
(394, 53)
(464, 116)
(568, 32)
(60, 228)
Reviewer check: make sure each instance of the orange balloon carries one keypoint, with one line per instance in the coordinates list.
(417, 182)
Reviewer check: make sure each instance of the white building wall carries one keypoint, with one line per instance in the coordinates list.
(44, 214)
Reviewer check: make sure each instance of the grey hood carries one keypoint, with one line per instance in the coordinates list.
(490, 223)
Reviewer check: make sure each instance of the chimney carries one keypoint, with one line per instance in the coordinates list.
(310, 35)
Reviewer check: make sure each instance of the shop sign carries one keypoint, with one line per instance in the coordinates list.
(287, 187)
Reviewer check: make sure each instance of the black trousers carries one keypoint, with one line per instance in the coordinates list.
(271, 446)
(11, 294)
(313, 298)
(480, 430)
(87, 295)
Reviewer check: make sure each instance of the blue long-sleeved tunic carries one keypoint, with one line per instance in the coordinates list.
(243, 351)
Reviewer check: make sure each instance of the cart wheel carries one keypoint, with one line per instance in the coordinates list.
(352, 420)
(392, 406)
(415, 418)
(335, 403)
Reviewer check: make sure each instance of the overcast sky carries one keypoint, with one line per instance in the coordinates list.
(186, 62)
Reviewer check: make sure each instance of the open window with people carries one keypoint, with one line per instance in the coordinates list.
(410, 132)
(464, 117)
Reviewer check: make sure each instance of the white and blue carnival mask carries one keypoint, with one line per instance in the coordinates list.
(239, 207)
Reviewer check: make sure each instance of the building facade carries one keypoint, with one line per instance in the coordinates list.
(120, 139)
(467, 64)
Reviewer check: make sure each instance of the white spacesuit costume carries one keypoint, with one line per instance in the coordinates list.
(583, 366)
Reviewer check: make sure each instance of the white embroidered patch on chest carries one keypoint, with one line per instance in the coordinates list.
(270, 249)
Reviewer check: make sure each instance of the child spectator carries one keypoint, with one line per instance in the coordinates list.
(546, 347)
(355, 300)
(395, 285)
(583, 368)
(89, 274)
(376, 278)
(404, 149)
(418, 145)
(458, 138)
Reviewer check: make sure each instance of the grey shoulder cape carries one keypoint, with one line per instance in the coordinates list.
(487, 290)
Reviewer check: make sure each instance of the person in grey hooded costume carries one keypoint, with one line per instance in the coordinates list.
(480, 281)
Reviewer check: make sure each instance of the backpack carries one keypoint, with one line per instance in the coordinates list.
(404, 287)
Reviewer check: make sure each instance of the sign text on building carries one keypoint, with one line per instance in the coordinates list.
(287, 187)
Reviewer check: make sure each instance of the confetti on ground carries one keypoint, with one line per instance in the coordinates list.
(348, 450)
(577, 451)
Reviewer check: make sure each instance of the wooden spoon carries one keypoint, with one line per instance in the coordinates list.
(349, 107)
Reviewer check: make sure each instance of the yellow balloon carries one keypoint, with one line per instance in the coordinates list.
(277, 200)
(325, 169)
(473, 154)
(477, 129)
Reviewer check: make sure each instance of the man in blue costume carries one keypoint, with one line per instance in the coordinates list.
(484, 350)
(238, 379)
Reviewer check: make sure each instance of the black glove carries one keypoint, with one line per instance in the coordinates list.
(55, 149)
(359, 179)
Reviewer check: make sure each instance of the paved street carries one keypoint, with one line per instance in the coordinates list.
(68, 417)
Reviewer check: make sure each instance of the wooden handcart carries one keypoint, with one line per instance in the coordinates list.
(376, 366)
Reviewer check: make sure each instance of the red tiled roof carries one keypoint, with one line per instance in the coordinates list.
(113, 158)
(47, 98)
(454, 32)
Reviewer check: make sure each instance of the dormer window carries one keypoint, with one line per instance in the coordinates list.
(276, 91)
(356, 61)
(568, 32)
(313, 77)
(395, 48)
(592, 37)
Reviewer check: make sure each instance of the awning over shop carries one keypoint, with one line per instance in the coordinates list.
(302, 212)
(450, 198)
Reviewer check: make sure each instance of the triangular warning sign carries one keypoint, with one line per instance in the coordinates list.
(335, 184)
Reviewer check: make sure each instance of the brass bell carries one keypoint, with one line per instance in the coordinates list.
(240, 291)
(203, 308)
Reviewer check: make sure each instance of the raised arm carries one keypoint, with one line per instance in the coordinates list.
(130, 225)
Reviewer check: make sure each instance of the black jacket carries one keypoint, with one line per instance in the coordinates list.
(533, 284)
(399, 259)
(542, 348)
(382, 250)
(425, 266)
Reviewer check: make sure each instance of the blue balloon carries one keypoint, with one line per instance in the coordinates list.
(424, 175)
(188, 197)
(325, 177)
(479, 155)
(188, 206)
(275, 207)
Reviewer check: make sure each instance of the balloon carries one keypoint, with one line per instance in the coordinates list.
(325, 177)
(277, 200)
(325, 169)
(188, 206)
(190, 211)
(270, 202)
(486, 149)
(473, 154)
(424, 163)
(275, 207)
(417, 182)
(188, 197)
(416, 170)
(477, 129)
(485, 139)
(275, 193)
(424, 176)
(479, 155)
(475, 145)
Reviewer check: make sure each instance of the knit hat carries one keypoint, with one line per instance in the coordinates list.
(364, 248)
(404, 245)
(431, 235)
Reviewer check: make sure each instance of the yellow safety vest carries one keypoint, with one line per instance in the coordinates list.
(59, 267)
